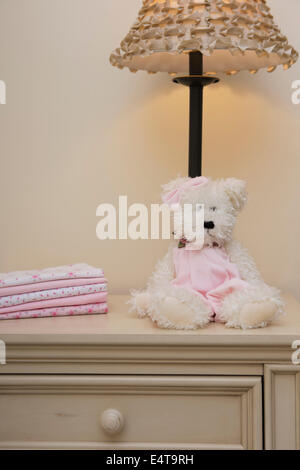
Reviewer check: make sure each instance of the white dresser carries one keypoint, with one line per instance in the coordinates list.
(117, 382)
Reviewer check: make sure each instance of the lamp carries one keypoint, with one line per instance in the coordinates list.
(193, 37)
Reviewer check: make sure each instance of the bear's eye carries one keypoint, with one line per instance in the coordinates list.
(213, 209)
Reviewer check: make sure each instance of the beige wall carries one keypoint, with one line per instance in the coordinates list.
(76, 132)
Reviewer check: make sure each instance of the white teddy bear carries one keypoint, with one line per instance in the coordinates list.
(216, 281)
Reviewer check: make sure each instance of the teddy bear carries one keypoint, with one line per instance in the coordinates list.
(214, 281)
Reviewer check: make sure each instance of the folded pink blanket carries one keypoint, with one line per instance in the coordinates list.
(91, 309)
(72, 271)
(13, 300)
(39, 286)
(60, 302)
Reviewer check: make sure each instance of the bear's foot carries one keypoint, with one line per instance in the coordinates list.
(172, 313)
(255, 314)
(140, 302)
(255, 307)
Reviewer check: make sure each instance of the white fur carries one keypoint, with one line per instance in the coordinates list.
(177, 308)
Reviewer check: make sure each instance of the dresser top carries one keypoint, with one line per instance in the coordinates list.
(120, 326)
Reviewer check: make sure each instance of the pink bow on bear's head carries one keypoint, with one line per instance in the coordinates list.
(174, 196)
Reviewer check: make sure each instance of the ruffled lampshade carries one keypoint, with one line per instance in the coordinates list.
(232, 35)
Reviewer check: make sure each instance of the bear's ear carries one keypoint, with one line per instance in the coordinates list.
(236, 191)
(172, 186)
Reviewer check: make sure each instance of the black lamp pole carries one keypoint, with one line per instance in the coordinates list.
(196, 81)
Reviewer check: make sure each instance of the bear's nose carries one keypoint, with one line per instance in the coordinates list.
(209, 225)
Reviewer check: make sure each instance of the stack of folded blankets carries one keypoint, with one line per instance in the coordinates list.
(77, 289)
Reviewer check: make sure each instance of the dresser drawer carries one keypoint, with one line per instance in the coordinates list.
(150, 412)
(282, 407)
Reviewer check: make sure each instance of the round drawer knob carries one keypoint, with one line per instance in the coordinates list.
(112, 421)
